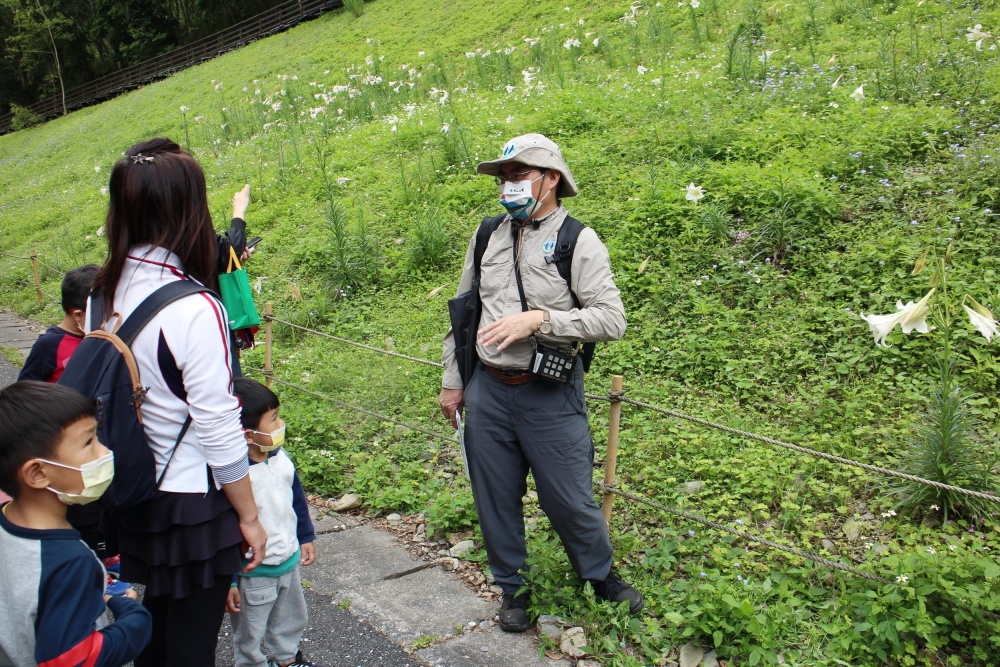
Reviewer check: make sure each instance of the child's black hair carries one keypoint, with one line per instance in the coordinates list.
(255, 399)
(33, 416)
(76, 287)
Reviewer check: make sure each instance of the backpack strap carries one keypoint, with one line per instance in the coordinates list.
(177, 443)
(569, 234)
(153, 304)
(566, 240)
(483, 234)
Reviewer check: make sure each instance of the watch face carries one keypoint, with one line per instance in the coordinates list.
(545, 328)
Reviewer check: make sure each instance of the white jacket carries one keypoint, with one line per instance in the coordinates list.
(183, 358)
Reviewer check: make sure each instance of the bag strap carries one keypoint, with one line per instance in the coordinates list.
(177, 443)
(562, 256)
(483, 234)
(153, 304)
(569, 234)
(517, 271)
(233, 259)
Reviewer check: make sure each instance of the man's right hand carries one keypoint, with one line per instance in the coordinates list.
(452, 401)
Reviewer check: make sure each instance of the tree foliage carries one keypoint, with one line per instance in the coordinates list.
(98, 37)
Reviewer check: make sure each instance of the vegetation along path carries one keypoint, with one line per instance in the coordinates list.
(800, 201)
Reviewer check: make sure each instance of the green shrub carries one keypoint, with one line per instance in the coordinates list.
(24, 117)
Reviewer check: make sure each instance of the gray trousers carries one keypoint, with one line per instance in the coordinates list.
(539, 426)
(272, 609)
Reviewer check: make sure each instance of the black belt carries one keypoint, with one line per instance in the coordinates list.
(510, 376)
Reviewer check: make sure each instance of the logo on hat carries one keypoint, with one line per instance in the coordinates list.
(509, 149)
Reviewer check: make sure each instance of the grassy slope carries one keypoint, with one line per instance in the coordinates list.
(715, 329)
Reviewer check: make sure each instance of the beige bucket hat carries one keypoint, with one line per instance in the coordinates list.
(534, 150)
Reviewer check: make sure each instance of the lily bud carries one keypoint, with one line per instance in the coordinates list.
(935, 280)
(921, 262)
(642, 267)
(947, 256)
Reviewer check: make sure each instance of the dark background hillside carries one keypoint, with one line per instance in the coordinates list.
(96, 37)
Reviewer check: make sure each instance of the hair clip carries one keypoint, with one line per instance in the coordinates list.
(139, 158)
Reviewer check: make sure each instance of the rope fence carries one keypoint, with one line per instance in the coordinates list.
(380, 350)
(33, 258)
(616, 397)
(50, 267)
(619, 396)
(358, 408)
(796, 448)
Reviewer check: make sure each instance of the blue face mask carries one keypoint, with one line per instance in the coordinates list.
(516, 197)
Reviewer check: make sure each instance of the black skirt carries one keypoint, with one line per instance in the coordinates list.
(178, 542)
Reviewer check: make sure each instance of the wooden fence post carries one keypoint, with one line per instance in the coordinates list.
(268, 342)
(34, 267)
(614, 424)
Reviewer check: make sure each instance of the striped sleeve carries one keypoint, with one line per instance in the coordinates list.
(231, 472)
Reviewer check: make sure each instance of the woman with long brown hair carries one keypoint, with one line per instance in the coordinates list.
(184, 545)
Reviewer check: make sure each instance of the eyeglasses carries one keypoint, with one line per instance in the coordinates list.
(517, 176)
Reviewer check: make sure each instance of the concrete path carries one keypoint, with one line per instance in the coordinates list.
(17, 333)
(357, 616)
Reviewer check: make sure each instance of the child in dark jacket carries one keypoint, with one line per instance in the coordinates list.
(48, 356)
(52, 610)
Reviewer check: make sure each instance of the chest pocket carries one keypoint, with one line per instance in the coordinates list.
(543, 286)
(497, 270)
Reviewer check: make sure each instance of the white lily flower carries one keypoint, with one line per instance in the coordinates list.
(695, 4)
(694, 192)
(641, 70)
(916, 314)
(858, 94)
(977, 35)
(766, 56)
(184, 109)
(911, 316)
(985, 325)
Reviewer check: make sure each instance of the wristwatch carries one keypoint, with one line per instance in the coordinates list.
(546, 326)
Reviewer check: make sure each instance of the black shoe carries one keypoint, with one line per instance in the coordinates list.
(514, 613)
(298, 662)
(616, 590)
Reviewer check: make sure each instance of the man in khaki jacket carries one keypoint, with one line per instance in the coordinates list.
(517, 420)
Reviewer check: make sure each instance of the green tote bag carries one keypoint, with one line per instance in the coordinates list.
(236, 295)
